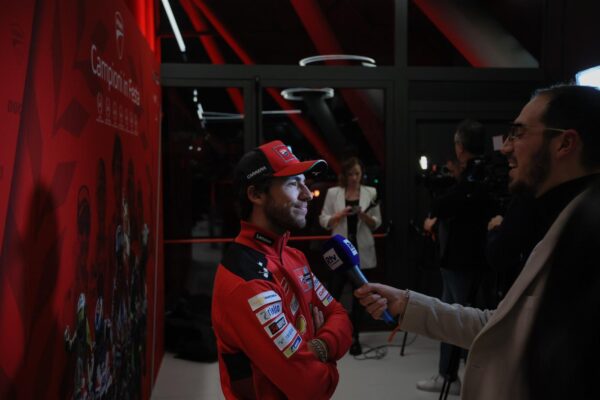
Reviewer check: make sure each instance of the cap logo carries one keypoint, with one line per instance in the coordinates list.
(256, 172)
(284, 153)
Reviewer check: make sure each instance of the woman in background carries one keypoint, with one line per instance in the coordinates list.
(352, 210)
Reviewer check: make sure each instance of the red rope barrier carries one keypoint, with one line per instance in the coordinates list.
(227, 240)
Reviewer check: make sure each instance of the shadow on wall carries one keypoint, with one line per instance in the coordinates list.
(32, 271)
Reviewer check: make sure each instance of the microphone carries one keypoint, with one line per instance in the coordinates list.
(340, 255)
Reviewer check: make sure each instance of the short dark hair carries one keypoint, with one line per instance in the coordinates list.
(346, 166)
(578, 108)
(243, 202)
(471, 135)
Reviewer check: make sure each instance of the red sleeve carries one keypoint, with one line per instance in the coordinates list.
(277, 351)
(336, 332)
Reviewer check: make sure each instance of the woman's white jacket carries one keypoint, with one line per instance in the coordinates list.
(335, 201)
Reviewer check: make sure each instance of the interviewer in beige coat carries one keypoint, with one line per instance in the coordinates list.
(553, 150)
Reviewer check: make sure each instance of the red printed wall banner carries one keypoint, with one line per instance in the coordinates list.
(15, 36)
(79, 202)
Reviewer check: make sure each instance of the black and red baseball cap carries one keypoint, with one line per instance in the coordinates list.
(273, 159)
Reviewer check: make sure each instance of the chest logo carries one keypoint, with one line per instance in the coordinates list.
(304, 278)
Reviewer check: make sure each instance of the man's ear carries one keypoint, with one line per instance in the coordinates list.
(568, 144)
(255, 196)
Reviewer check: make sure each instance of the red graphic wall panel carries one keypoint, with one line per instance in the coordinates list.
(78, 203)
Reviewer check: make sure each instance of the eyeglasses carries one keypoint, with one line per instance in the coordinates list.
(517, 131)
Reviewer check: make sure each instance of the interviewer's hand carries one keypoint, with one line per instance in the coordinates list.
(376, 298)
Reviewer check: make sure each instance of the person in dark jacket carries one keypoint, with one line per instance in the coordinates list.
(460, 216)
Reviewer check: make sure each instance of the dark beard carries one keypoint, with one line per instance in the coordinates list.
(538, 172)
(281, 218)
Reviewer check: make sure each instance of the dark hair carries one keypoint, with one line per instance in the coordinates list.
(471, 135)
(578, 108)
(243, 202)
(347, 165)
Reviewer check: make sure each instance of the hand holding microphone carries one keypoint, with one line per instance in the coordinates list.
(341, 257)
(378, 299)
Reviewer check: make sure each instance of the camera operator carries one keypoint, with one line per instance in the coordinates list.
(460, 215)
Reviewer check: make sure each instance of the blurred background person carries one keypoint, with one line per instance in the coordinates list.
(352, 210)
(460, 216)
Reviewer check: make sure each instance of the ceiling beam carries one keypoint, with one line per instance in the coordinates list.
(476, 34)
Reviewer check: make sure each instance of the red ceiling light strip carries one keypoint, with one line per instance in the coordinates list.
(212, 49)
(231, 239)
(150, 28)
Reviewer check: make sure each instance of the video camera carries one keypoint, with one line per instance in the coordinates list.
(490, 171)
(436, 179)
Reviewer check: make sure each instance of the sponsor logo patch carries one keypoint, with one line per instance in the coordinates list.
(322, 292)
(305, 278)
(270, 312)
(293, 348)
(286, 337)
(256, 172)
(316, 281)
(294, 305)
(301, 324)
(285, 285)
(327, 300)
(274, 327)
(262, 238)
(262, 299)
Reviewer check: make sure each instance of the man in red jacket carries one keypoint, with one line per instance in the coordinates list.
(279, 332)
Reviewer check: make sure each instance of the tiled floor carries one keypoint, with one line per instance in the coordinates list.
(391, 377)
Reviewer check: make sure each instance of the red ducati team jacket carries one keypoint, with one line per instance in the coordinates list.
(261, 315)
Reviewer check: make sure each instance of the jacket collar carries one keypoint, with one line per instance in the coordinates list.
(262, 240)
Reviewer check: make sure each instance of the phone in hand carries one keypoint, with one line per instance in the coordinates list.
(354, 210)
